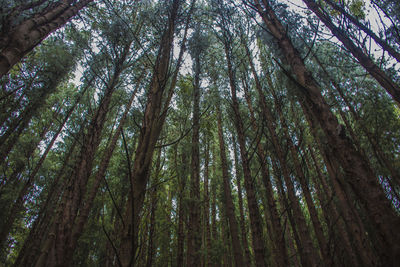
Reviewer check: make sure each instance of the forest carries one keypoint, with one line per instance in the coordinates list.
(200, 133)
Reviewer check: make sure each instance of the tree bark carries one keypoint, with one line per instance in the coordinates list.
(242, 220)
(28, 34)
(153, 120)
(206, 194)
(229, 206)
(194, 227)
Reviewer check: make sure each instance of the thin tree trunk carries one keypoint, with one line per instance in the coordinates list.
(10, 138)
(295, 237)
(194, 227)
(181, 213)
(242, 220)
(293, 258)
(153, 207)
(226, 259)
(214, 231)
(229, 207)
(165, 246)
(207, 230)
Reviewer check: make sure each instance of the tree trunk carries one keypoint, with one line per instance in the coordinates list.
(37, 234)
(295, 237)
(10, 138)
(379, 153)
(349, 212)
(226, 256)
(153, 207)
(194, 227)
(31, 32)
(332, 217)
(99, 177)
(18, 205)
(215, 237)
(153, 120)
(207, 230)
(304, 242)
(181, 210)
(229, 207)
(242, 221)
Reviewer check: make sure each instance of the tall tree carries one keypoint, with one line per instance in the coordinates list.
(229, 207)
(153, 120)
(194, 227)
